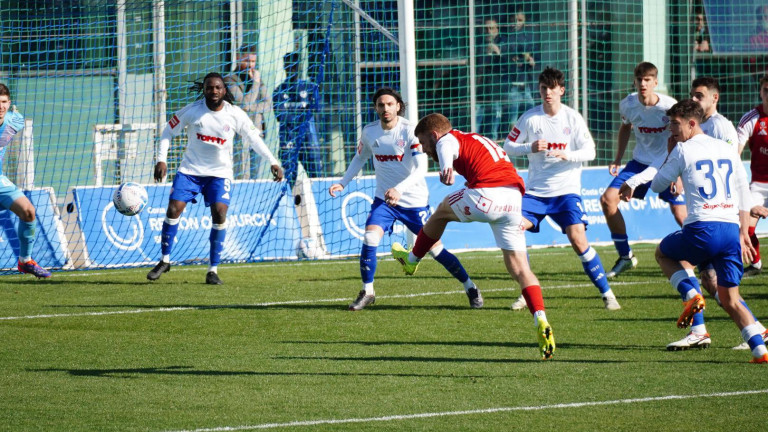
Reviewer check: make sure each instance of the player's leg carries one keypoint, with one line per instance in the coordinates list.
(756, 266)
(429, 234)
(380, 219)
(591, 263)
(23, 208)
(674, 250)
(217, 193)
(183, 190)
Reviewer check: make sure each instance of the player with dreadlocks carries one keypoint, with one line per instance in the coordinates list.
(211, 123)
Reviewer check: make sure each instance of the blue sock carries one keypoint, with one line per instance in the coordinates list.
(368, 263)
(593, 267)
(684, 283)
(167, 236)
(26, 231)
(452, 264)
(218, 234)
(621, 242)
(743, 303)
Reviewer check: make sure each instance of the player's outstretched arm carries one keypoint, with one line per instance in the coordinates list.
(277, 172)
(335, 188)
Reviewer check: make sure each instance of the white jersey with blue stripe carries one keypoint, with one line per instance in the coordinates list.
(650, 125)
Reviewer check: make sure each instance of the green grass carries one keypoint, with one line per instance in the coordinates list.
(275, 344)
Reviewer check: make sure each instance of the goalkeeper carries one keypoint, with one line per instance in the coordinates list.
(11, 197)
(401, 192)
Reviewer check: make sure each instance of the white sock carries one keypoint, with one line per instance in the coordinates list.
(25, 259)
(368, 288)
(213, 269)
(166, 258)
(699, 329)
(609, 294)
(539, 315)
(412, 258)
(468, 284)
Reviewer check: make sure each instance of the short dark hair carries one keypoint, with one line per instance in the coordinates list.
(391, 92)
(708, 82)
(432, 122)
(5, 91)
(687, 109)
(645, 69)
(552, 78)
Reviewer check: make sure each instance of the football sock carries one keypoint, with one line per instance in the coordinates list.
(539, 315)
(621, 242)
(533, 298)
(168, 234)
(452, 264)
(213, 268)
(686, 284)
(754, 339)
(218, 234)
(593, 267)
(368, 288)
(26, 232)
(423, 244)
(368, 263)
(755, 244)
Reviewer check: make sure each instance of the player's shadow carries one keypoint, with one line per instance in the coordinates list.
(132, 373)
(54, 281)
(446, 359)
(474, 344)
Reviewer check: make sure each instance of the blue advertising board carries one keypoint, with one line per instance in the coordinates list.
(49, 250)
(112, 239)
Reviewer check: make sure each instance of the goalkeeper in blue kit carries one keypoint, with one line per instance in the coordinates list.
(11, 197)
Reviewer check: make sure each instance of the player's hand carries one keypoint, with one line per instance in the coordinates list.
(392, 196)
(539, 145)
(748, 252)
(161, 169)
(15, 120)
(277, 172)
(559, 154)
(676, 187)
(447, 177)
(336, 187)
(614, 167)
(758, 211)
(625, 192)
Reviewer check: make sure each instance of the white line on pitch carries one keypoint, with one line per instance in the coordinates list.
(280, 303)
(475, 412)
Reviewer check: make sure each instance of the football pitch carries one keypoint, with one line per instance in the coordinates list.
(275, 348)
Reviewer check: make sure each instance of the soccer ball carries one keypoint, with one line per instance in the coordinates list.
(130, 198)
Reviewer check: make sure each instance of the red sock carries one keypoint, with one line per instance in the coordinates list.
(755, 244)
(534, 299)
(423, 244)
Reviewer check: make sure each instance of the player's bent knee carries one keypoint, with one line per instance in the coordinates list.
(659, 255)
(372, 238)
(436, 250)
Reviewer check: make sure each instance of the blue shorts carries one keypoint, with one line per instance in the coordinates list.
(633, 167)
(565, 210)
(385, 216)
(9, 192)
(715, 243)
(214, 189)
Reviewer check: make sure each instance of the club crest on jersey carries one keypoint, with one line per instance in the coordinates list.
(401, 143)
(763, 128)
(226, 128)
(174, 121)
(566, 130)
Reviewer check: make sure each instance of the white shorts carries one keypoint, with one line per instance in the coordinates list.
(500, 207)
(759, 193)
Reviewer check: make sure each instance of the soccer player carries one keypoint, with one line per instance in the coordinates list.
(753, 130)
(493, 194)
(401, 192)
(643, 112)
(11, 197)
(556, 140)
(206, 167)
(715, 230)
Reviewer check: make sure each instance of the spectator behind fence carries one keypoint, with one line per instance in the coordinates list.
(517, 50)
(701, 39)
(295, 101)
(759, 40)
(249, 93)
(489, 80)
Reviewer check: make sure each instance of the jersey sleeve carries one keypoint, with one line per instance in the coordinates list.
(583, 148)
(746, 127)
(174, 127)
(252, 135)
(670, 170)
(517, 141)
(13, 124)
(447, 151)
(362, 155)
(624, 111)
